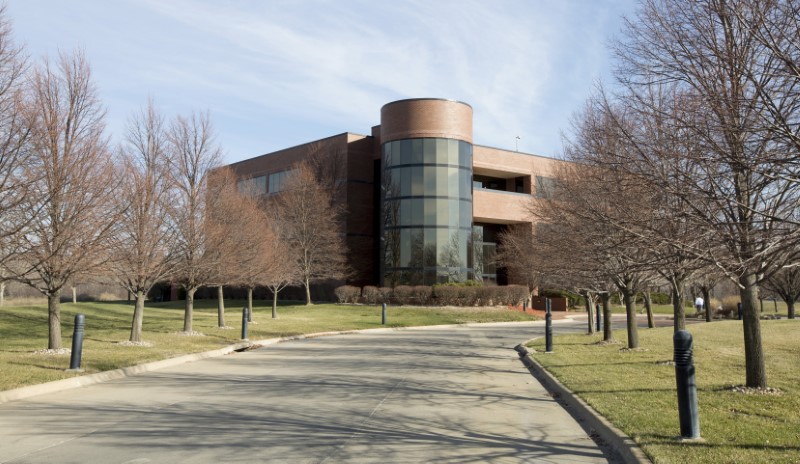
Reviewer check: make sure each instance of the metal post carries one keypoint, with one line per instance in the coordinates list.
(775, 300)
(687, 386)
(739, 310)
(77, 344)
(597, 313)
(524, 306)
(244, 323)
(383, 314)
(548, 331)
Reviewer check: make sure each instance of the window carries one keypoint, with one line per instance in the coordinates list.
(253, 186)
(545, 187)
(277, 180)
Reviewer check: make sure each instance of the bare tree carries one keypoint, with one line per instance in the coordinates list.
(786, 284)
(236, 225)
(18, 169)
(309, 221)
(740, 183)
(279, 266)
(144, 245)
(73, 206)
(193, 153)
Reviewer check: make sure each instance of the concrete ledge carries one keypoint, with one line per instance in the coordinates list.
(619, 443)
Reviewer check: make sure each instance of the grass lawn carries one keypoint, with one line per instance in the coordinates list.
(636, 391)
(23, 330)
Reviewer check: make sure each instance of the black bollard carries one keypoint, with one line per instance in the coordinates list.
(383, 314)
(77, 344)
(244, 323)
(739, 310)
(524, 306)
(687, 386)
(597, 313)
(548, 330)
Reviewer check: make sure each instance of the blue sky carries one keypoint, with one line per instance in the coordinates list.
(277, 73)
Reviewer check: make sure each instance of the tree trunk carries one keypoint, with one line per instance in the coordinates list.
(648, 306)
(249, 304)
(607, 334)
(220, 306)
(189, 310)
(790, 307)
(706, 290)
(588, 300)
(2, 293)
(138, 315)
(630, 311)
(753, 349)
(54, 320)
(678, 311)
(307, 284)
(74, 295)
(274, 304)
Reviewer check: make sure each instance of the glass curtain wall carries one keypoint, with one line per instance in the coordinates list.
(426, 211)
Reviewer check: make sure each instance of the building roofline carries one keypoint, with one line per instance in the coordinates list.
(296, 146)
(427, 99)
(517, 152)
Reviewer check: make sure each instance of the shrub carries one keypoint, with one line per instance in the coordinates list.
(403, 294)
(385, 294)
(730, 306)
(660, 298)
(487, 296)
(421, 294)
(573, 299)
(467, 295)
(347, 294)
(445, 295)
(515, 294)
(371, 295)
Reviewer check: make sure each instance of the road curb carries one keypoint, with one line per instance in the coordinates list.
(619, 442)
(105, 376)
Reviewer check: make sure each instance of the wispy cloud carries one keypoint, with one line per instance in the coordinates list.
(278, 73)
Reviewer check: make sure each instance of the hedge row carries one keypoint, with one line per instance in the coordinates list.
(438, 295)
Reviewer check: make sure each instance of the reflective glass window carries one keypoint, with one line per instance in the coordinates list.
(428, 150)
(405, 212)
(441, 181)
(405, 152)
(453, 184)
(417, 212)
(466, 212)
(429, 250)
(405, 181)
(429, 174)
(387, 154)
(452, 152)
(441, 151)
(417, 247)
(405, 247)
(416, 151)
(429, 211)
(417, 187)
(454, 210)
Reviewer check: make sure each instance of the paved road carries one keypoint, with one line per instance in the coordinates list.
(443, 395)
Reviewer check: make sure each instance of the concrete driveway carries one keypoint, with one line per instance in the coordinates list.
(440, 394)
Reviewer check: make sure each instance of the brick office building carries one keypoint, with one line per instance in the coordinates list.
(424, 204)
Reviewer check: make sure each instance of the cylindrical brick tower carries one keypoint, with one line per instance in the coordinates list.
(426, 192)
